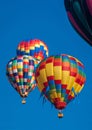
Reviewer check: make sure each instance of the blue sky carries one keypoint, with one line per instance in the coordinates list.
(45, 20)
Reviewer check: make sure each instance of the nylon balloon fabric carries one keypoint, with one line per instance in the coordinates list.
(60, 79)
(79, 13)
(21, 74)
(35, 48)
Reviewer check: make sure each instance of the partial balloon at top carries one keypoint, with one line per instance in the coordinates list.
(36, 48)
(80, 16)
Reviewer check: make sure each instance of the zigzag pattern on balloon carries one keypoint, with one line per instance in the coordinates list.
(35, 48)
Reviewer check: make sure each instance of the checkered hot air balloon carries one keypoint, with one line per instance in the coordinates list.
(60, 79)
(21, 74)
(35, 48)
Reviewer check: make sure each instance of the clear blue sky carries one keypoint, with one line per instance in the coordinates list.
(45, 20)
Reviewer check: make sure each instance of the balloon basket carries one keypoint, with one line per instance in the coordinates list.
(23, 101)
(60, 115)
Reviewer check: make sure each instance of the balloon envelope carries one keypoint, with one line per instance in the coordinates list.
(60, 79)
(21, 74)
(79, 13)
(35, 48)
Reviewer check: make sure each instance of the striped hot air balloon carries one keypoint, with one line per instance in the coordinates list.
(60, 79)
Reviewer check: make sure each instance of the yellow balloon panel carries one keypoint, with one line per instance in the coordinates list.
(49, 69)
(65, 77)
(40, 83)
(43, 75)
(71, 82)
(57, 72)
(53, 94)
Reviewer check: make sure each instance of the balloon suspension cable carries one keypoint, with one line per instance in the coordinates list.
(23, 101)
(60, 114)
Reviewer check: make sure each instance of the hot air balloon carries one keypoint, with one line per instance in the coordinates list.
(35, 48)
(79, 13)
(60, 79)
(21, 74)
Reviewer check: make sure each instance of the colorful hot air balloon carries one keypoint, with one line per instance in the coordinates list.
(60, 79)
(80, 16)
(35, 48)
(20, 72)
